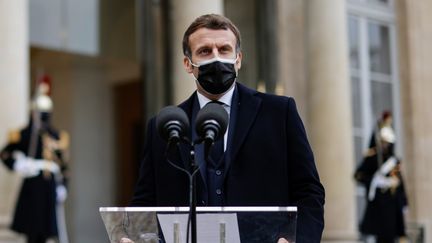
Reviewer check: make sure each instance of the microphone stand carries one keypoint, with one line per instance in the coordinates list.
(192, 188)
(194, 168)
(192, 197)
(173, 142)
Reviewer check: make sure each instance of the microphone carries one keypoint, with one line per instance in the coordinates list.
(172, 124)
(211, 122)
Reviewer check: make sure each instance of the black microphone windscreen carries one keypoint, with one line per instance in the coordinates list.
(212, 111)
(171, 114)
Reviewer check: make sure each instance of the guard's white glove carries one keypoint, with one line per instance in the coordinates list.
(386, 182)
(25, 166)
(48, 165)
(388, 165)
(381, 181)
(126, 240)
(61, 193)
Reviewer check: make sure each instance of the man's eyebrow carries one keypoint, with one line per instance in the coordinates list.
(202, 46)
(225, 45)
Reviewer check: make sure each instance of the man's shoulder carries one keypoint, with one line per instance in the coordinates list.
(273, 99)
(186, 105)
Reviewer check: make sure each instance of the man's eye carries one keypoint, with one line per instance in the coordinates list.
(204, 51)
(225, 49)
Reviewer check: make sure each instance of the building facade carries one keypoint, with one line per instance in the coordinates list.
(344, 61)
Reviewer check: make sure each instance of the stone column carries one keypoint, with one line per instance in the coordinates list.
(414, 38)
(291, 55)
(182, 14)
(14, 62)
(329, 112)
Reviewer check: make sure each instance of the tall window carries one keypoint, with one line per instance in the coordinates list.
(374, 81)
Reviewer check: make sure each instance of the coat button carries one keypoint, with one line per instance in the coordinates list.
(218, 172)
(218, 191)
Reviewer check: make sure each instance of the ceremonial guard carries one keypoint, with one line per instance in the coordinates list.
(39, 154)
(380, 173)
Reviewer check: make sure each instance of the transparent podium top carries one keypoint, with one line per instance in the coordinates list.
(214, 224)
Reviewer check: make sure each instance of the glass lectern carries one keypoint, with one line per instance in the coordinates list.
(214, 224)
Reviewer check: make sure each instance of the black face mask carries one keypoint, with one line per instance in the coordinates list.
(216, 77)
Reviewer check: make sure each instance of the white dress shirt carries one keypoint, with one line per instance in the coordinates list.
(226, 100)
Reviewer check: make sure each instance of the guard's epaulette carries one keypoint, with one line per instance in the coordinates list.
(14, 136)
(64, 140)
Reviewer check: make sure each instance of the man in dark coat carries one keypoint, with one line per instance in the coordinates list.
(38, 154)
(266, 161)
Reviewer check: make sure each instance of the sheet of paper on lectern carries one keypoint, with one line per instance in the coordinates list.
(208, 227)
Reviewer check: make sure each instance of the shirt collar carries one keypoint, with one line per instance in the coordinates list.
(226, 98)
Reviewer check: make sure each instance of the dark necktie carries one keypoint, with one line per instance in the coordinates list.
(217, 150)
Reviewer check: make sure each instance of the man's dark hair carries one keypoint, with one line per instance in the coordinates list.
(209, 21)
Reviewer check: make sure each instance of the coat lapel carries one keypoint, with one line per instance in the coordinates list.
(243, 114)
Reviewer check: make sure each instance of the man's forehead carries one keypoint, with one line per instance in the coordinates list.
(205, 36)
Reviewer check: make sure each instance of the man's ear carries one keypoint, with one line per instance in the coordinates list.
(187, 65)
(239, 60)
